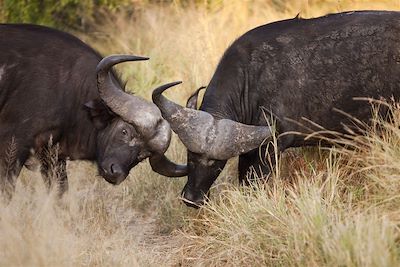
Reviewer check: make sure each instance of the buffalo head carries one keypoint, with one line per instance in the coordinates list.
(210, 142)
(133, 130)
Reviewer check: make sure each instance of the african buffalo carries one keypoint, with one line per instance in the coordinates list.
(298, 71)
(49, 90)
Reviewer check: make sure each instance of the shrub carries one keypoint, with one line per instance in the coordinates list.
(61, 14)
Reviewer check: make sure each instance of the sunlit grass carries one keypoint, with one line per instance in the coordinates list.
(344, 214)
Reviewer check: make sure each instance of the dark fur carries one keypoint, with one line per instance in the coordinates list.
(300, 68)
(48, 89)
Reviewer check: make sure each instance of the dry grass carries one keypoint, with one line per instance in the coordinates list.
(343, 214)
(85, 228)
(94, 224)
(328, 209)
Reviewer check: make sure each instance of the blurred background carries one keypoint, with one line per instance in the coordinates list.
(82, 14)
(183, 38)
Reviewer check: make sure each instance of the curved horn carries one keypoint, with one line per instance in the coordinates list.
(149, 123)
(162, 165)
(143, 115)
(192, 100)
(201, 133)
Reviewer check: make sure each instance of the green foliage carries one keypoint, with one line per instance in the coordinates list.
(61, 14)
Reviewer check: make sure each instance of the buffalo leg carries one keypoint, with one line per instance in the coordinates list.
(256, 164)
(53, 170)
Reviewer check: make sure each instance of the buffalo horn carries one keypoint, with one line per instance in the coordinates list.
(162, 165)
(192, 100)
(201, 133)
(143, 115)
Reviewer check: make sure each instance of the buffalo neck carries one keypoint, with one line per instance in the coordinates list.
(230, 94)
(79, 142)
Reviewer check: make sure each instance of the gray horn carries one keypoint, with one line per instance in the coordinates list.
(162, 165)
(192, 100)
(201, 133)
(142, 114)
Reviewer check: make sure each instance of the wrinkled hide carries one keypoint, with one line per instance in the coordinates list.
(296, 71)
(50, 105)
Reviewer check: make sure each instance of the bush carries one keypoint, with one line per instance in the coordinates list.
(60, 14)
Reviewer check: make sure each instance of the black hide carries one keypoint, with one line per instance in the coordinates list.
(296, 69)
(48, 91)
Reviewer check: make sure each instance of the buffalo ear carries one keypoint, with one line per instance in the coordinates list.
(99, 113)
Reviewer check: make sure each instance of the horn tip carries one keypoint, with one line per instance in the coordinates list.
(159, 90)
(176, 83)
(133, 57)
(107, 62)
(144, 58)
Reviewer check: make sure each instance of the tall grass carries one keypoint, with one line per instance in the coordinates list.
(321, 209)
(345, 214)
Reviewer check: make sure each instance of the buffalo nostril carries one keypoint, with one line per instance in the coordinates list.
(115, 169)
(112, 168)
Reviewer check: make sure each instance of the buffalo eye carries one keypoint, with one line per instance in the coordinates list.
(124, 132)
